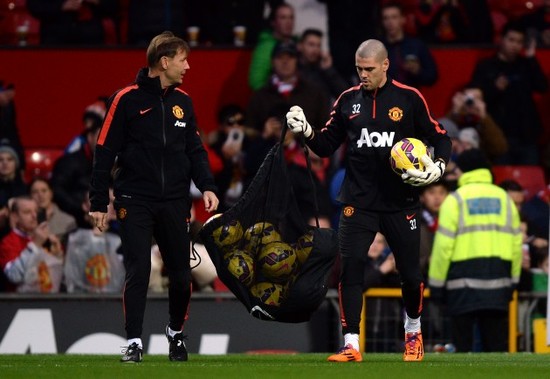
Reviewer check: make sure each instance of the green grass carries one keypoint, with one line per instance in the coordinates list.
(385, 366)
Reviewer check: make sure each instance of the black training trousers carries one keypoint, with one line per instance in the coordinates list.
(356, 233)
(168, 223)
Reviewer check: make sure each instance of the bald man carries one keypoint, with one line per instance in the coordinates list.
(370, 118)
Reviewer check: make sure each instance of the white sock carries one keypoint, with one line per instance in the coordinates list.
(172, 333)
(352, 339)
(412, 325)
(136, 340)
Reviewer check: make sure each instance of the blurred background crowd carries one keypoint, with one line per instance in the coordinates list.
(301, 52)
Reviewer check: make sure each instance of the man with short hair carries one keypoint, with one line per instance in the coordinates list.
(315, 65)
(370, 119)
(508, 80)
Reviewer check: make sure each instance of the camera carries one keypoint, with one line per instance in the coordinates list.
(236, 135)
(469, 100)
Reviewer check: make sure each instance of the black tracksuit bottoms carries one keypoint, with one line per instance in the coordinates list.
(356, 233)
(168, 222)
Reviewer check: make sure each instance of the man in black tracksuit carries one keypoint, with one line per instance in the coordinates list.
(150, 130)
(372, 117)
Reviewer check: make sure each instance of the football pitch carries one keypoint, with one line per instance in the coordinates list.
(385, 366)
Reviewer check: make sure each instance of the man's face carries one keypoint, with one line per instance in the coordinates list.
(42, 193)
(310, 48)
(176, 68)
(7, 165)
(371, 71)
(283, 23)
(433, 197)
(285, 65)
(25, 217)
(512, 44)
(392, 21)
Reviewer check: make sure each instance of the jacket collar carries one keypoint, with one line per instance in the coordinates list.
(151, 84)
(481, 175)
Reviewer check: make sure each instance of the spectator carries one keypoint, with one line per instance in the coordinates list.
(431, 198)
(71, 176)
(92, 117)
(72, 22)
(286, 87)
(281, 22)
(442, 21)
(31, 256)
(381, 270)
(508, 81)
(316, 66)
(538, 24)
(271, 134)
(93, 263)
(60, 223)
(9, 133)
(384, 314)
(308, 190)
(412, 62)
(11, 183)
(230, 142)
(476, 257)
(536, 212)
(469, 110)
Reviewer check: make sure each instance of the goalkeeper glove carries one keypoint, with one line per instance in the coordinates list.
(432, 172)
(296, 120)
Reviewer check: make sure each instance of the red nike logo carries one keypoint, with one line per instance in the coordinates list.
(353, 116)
(145, 110)
(410, 217)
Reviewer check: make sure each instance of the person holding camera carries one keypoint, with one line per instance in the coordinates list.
(469, 114)
(31, 256)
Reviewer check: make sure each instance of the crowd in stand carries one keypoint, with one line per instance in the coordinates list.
(47, 242)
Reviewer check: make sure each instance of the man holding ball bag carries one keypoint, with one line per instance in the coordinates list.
(372, 117)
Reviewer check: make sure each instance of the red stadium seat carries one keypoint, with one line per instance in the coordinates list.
(40, 162)
(531, 178)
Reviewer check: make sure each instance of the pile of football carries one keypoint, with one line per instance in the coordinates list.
(258, 258)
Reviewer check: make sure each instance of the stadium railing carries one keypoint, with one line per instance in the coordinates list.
(389, 339)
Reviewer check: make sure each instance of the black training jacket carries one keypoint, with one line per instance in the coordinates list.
(152, 134)
(370, 123)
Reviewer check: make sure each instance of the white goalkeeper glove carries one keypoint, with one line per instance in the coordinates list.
(296, 120)
(432, 172)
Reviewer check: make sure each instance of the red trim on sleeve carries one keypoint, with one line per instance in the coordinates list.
(111, 112)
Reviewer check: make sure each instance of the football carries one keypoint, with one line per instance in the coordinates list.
(406, 154)
(259, 234)
(276, 261)
(241, 266)
(268, 293)
(303, 247)
(228, 235)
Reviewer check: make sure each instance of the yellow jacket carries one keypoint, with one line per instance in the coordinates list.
(476, 256)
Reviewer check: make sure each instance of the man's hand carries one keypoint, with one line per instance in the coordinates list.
(100, 220)
(296, 120)
(210, 201)
(433, 171)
